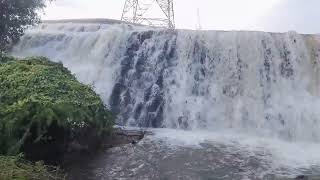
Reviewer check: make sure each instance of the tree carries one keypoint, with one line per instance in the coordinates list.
(15, 17)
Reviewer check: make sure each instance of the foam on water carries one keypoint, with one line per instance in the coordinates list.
(283, 158)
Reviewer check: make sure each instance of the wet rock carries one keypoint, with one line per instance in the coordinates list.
(122, 136)
(286, 67)
(302, 177)
(231, 90)
(137, 97)
(183, 122)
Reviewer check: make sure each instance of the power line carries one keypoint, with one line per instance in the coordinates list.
(134, 12)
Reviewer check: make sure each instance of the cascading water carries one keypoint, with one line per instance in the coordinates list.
(256, 83)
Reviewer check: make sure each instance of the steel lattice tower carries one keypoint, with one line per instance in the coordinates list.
(134, 11)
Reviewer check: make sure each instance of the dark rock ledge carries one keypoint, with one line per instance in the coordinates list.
(122, 135)
(118, 137)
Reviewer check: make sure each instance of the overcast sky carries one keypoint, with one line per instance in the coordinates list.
(263, 15)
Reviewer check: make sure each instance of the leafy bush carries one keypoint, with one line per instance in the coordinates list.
(37, 95)
(15, 168)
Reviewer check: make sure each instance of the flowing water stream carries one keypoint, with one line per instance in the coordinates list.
(229, 105)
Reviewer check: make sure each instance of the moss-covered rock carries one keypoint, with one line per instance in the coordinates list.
(43, 108)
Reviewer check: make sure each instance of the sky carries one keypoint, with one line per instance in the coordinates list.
(254, 15)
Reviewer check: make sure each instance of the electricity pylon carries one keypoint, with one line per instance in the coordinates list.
(134, 12)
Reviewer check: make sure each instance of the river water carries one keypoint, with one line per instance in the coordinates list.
(176, 154)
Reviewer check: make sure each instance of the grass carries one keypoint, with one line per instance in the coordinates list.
(16, 168)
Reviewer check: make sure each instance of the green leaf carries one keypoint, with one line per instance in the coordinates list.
(45, 93)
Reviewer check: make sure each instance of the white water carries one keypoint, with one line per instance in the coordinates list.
(283, 158)
(265, 86)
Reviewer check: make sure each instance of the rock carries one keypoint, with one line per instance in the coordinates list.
(302, 177)
(122, 136)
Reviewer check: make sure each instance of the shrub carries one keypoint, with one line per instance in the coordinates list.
(42, 103)
(16, 168)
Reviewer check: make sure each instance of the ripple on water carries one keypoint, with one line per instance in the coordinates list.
(174, 154)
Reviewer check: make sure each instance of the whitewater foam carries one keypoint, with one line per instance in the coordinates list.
(282, 158)
(265, 84)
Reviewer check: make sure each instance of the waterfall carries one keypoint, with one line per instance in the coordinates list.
(265, 84)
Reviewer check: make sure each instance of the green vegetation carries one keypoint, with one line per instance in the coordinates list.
(15, 168)
(44, 110)
(42, 105)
